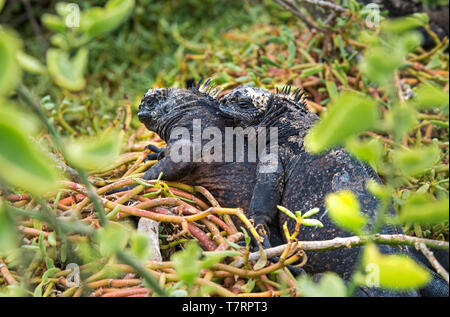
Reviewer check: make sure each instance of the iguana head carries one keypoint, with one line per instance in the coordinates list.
(163, 108)
(153, 105)
(245, 104)
(253, 106)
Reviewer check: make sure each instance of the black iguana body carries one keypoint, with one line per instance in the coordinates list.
(302, 180)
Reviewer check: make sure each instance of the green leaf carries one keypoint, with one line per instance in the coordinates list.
(112, 238)
(63, 253)
(370, 151)
(94, 152)
(14, 291)
(247, 237)
(8, 235)
(97, 21)
(56, 202)
(410, 41)
(53, 22)
(416, 161)
(139, 245)
(30, 63)
(214, 257)
(344, 210)
(332, 89)
(49, 273)
(9, 68)
(291, 51)
(178, 293)
(379, 64)
(23, 163)
(38, 290)
(421, 209)
(395, 272)
(60, 41)
(52, 239)
(330, 285)
(113, 212)
(248, 287)
(2, 3)
(312, 223)
(267, 60)
(442, 124)
(381, 191)
(186, 263)
(287, 212)
(68, 73)
(348, 114)
(49, 263)
(311, 212)
(311, 71)
(276, 40)
(342, 50)
(41, 244)
(400, 120)
(430, 96)
(261, 261)
(404, 24)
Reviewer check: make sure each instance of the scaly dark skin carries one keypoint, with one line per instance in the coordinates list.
(302, 180)
(163, 110)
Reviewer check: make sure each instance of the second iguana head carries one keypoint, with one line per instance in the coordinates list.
(253, 106)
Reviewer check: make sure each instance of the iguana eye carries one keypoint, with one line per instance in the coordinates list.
(245, 103)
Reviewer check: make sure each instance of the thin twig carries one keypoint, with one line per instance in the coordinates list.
(326, 4)
(437, 266)
(292, 7)
(6, 274)
(339, 243)
(35, 25)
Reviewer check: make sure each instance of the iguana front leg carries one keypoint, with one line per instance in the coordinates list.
(266, 196)
(264, 212)
(158, 153)
(170, 169)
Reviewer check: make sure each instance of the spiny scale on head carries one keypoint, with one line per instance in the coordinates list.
(298, 95)
(208, 88)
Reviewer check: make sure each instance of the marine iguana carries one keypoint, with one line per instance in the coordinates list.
(163, 110)
(302, 180)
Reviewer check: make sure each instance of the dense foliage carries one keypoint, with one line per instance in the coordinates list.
(71, 77)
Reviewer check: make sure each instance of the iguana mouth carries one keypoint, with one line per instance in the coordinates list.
(145, 116)
(226, 112)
